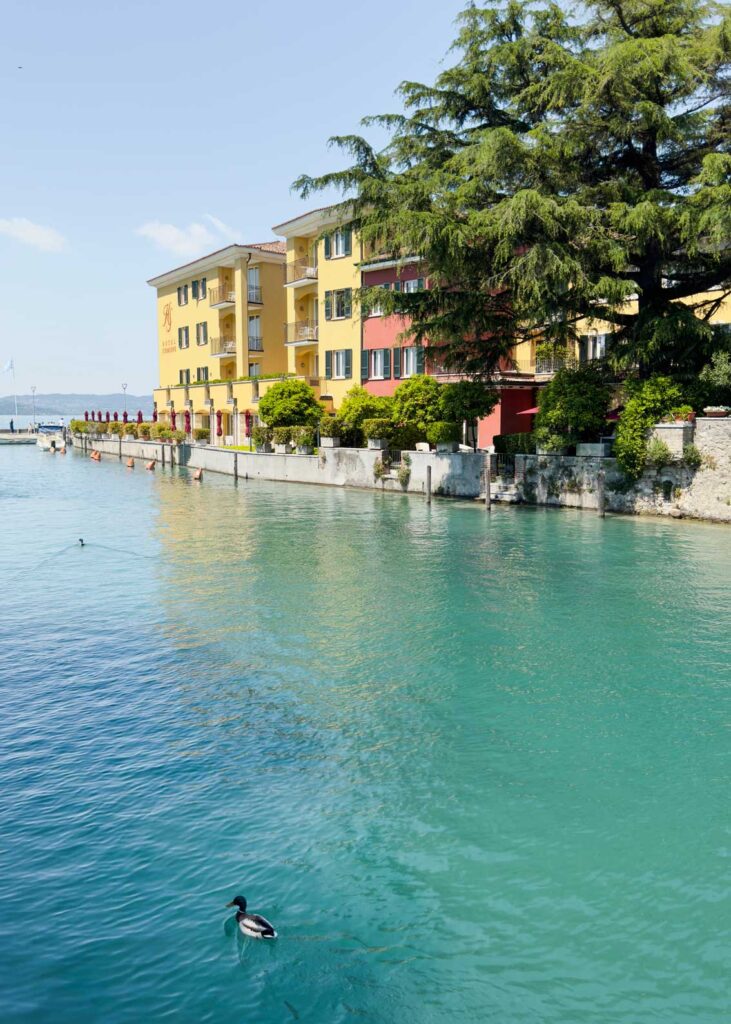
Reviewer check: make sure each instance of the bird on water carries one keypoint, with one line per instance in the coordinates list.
(253, 925)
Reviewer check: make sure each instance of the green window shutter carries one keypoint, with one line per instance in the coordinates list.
(328, 365)
(328, 305)
(328, 247)
(419, 359)
(348, 302)
(364, 355)
(387, 363)
(194, 288)
(420, 284)
(397, 363)
(397, 286)
(348, 363)
(348, 241)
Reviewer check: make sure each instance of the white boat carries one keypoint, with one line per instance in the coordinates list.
(51, 437)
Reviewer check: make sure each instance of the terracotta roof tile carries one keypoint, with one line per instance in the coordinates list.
(280, 247)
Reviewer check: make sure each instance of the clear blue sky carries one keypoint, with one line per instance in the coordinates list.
(136, 136)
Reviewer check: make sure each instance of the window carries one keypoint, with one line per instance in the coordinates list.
(408, 362)
(339, 304)
(183, 295)
(254, 331)
(194, 289)
(253, 284)
(376, 309)
(183, 337)
(339, 243)
(339, 364)
(254, 369)
(415, 285)
(201, 374)
(203, 291)
(201, 334)
(184, 376)
(377, 364)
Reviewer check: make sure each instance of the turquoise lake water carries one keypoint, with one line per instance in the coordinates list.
(474, 768)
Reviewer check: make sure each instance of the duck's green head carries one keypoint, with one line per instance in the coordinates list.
(238, 901)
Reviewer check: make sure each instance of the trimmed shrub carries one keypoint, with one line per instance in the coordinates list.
(130, 429)
(261, 436)
(331, 426)
(573, 407)
(658, 453)
(405, 436)
(377, 428)
(360, 405)
(515, 444)
(165, 434)
(443, 432)
(418, 400)
(304, 437)
(289, 403)
(178, 435)
(201, 434)
(282, 435)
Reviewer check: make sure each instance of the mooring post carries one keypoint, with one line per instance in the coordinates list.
(600, 497)
(236, 467)
(120, 447)
(488, 474)
(428, 485)
(162, 453)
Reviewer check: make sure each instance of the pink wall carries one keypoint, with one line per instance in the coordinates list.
(383, 331)
(504, 418)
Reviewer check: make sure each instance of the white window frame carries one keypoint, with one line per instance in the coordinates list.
(411, 286)
(378, 364)
(254, 369)
(201, 374)
(339, 293)
(338, 244)
(203, 288)
(183, 295)
(253, 277)
(201, 333)
(338, 368)
(183, 337)
(376, 309)
(258, 334)
(408, 355)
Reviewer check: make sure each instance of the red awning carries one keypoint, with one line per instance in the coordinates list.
(527, 412)
(615, 413)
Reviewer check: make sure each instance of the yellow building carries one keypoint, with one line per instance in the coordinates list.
(220, 325)
(322, 275)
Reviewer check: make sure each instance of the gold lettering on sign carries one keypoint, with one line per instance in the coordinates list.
(167, 316)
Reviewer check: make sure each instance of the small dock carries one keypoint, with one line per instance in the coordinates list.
(19, 437)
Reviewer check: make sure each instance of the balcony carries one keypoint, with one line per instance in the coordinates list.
(254, 294)
(548, 365)
(256, 343)
(302, 271)
(223, 347)
(301, 332)
(219, 298)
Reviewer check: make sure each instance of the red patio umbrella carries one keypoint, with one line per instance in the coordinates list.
(124, 416)
(615, 414)
(173, 417)
(116, 416)
(247, 423)
(187, 421)
(154, 414)
(99, 415)
(528, 412)
(108, 417)
(86, 415)
(139, 415)
(219, 428)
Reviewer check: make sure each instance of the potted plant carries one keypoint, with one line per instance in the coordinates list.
(262, 439)
(202, 435)
(444, 436)
(377, 432)
(304, 438)
(282, 440)
(330, 430)
(143, 431)
(179, 436)
(716, 411)
(683, 414)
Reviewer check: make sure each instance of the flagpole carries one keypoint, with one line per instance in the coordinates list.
(15, 396)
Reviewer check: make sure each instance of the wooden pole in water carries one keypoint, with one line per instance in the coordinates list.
(236, 467)
(488, 474)
(428, 485)
(162, 453)
(600, 495)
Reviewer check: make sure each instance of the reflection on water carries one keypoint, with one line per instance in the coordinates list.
(471, 766)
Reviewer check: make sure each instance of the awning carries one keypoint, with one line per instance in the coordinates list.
(527, 412)
(615, 413)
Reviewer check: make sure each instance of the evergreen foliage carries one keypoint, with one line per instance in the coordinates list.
(359, 405)
(573, 407)
(290, 403)
(418, 400)
(567, 161)
(468, 400)
(649, 402)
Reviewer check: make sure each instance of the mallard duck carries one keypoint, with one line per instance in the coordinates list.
(253, 925)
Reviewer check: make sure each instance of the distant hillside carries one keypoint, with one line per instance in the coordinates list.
(74, 405)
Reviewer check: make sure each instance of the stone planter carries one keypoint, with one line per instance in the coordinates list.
(304, 449)
(377, 444)
(329, 442)
(422, 446)
(552, 451)
(716, 414)
(282, 449)
(447, 447)
(264, 449)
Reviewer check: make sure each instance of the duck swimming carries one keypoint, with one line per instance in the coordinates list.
(253, 925)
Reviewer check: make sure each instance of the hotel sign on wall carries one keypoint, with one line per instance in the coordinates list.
(168, 339)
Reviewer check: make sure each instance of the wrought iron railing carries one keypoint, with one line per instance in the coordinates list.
(300, 331)
(301, 270)
(219, 296)
(223, 346)
(254, 293)
(550, 364)
(256, 343)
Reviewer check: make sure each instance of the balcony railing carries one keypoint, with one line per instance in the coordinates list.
(256, 343)
(301, 270)
(224, 296)
(223, 346)
(254, 293)
(550, 364)
(301, 332)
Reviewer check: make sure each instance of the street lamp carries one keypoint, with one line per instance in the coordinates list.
(33, 392)
(124, 392)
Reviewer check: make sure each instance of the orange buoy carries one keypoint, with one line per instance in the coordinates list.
(130, 463)
(62, 451)
(150, 465)
(198, 475)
